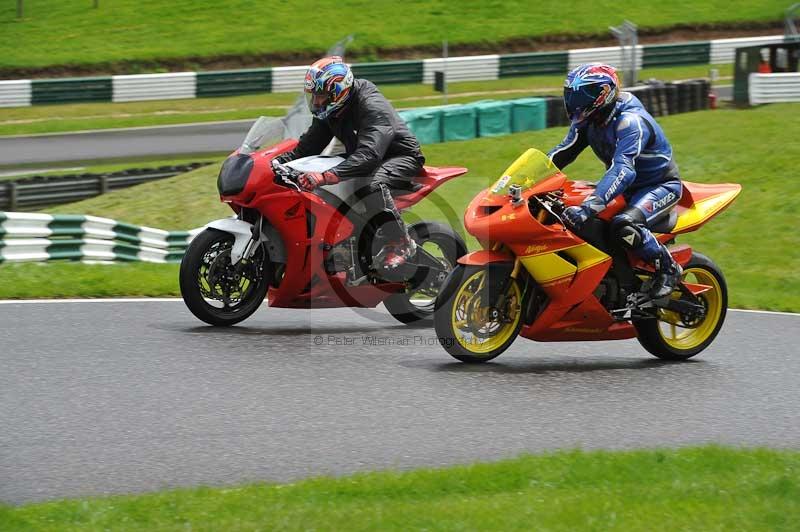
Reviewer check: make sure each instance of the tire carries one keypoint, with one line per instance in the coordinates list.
(198, 263)
(452, 247)
(450, 306)
(690, 341)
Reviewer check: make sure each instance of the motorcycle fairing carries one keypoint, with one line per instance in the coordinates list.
(309, 225)
(485, 256)
(242, 233)
(699, 203)
(431, 178)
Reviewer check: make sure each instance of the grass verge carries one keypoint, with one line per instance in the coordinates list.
(755, 242)
(60, 118)
(707, 488)
(63, 280)
(65, 32)
(102, 167)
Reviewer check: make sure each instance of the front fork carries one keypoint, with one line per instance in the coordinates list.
(503, 295)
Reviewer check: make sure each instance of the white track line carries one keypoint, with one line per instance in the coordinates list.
(88, 300)
(176, 299)
(765, 312)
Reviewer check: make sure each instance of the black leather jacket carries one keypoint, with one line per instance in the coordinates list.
(370, 129)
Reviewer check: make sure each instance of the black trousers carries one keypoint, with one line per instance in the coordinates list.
(374, 192)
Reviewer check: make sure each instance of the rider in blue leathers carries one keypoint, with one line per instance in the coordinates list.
(639, 165)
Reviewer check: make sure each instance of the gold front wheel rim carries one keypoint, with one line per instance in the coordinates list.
(471, 324)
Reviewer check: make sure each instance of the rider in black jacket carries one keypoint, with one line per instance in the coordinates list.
(381, 151)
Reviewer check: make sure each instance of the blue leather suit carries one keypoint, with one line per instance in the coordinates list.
(639, 165)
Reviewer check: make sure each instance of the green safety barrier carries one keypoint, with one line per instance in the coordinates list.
(426, 123)
(486, 118)
(494, 118)
(230, 82)
(71, 90)
(390, 72)
(528, 114)
(459, 122)
(697, 53)
(532, 64)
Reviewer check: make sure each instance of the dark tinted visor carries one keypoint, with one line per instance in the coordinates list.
(576, 100)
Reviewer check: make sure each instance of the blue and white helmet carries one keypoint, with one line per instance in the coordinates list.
(589, 88)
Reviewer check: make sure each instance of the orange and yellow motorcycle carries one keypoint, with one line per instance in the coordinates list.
(537, 278)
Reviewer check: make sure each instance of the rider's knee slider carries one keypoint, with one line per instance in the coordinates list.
(626, 228)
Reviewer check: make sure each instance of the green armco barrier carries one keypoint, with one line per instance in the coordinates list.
(26, 237)
(494, 118)
(459, 122)
(390, 72)
(528, 114)
(531, 64)
(227, 83)
(426, 123)
(71, 90)
(693, 53)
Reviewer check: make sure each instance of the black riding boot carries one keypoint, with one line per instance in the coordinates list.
(400, 246)
(667, 276)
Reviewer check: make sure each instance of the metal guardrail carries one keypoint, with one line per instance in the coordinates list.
(469, 68)
(15, 93)
(33, 237)
(154, 87)
(19, 93)
(533, 64)
(51, 190)
(612, 55)
(724, 50)
(774, 88)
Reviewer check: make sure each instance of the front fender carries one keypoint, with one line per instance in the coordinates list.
(484, 257)
(242, 233)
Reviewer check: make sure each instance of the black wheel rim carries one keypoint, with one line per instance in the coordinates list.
(227, 288)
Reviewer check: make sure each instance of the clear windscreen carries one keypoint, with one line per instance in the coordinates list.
(264, 132)
(529, 168)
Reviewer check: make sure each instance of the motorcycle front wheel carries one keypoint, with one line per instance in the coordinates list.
(467, 327)
(216, 291)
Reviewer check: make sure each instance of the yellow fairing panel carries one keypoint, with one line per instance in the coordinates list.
(548, 267)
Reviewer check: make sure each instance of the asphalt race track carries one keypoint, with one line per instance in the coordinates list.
(113, 397)
(188, 139)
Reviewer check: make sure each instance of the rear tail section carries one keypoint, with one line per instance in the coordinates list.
(699, 203)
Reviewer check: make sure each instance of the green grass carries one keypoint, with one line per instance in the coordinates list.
(68, 32)
(755, 241)
(100, 167)
(79, 117)
(708, 488)
(32, 280)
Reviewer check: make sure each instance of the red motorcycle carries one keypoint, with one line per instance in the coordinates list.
(308, 249)
(538, 279)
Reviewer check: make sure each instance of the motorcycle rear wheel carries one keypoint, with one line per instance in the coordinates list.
(209, 283)
(666, 338)
(414, 306)
(465, 327)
